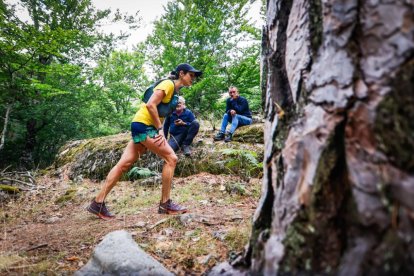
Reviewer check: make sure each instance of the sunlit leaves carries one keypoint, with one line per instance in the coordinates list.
(45, 73)
(214, 36)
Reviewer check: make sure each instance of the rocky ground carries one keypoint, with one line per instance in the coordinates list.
(47, 230)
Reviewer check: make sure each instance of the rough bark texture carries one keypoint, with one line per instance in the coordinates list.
(338, 190)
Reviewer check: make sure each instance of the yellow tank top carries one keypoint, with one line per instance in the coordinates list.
(142, 115)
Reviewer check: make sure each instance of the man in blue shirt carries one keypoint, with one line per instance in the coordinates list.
(182, 126)
(237, 113)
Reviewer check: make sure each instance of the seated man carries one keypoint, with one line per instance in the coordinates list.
(237, 113)
(182, 126)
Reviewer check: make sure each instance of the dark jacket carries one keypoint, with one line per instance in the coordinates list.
(187, 116)
(240, 105)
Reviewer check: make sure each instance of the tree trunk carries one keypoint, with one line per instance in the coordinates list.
(6, 123)
(338, 189)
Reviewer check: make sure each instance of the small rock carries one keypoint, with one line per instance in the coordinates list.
(204, 259)
(162, 246)
(167, 232)
(185, 219)
(236, 217)
(161, 238)
(52, 220)
(225, 269)
(189, 233)
(220, 235)
(140, 224)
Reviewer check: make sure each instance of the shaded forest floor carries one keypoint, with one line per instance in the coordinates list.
(48, 230)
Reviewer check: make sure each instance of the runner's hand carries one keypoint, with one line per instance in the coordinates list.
(160, 139)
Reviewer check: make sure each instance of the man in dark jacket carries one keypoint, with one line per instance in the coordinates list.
(182, 126)
(237, 113)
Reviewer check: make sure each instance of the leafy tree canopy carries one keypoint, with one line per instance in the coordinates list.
(61, 77)
(44, 72)
(214, 36)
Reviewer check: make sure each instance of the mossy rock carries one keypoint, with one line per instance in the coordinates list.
(93, 158)
(250, 134)
(244, 159)
(9, 189)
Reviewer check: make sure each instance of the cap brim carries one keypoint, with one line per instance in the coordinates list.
(197, 73)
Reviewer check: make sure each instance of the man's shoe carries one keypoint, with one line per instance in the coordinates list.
(100, 210)
(187, 150)
(171, 208)
(229, 137)
(219, 136)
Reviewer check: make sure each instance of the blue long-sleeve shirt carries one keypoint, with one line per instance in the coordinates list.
(187, 116)
(240, 105)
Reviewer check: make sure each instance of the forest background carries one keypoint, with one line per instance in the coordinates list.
(62, 77)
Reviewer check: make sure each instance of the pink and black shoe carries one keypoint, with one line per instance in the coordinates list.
(100, 210)
(171, 208)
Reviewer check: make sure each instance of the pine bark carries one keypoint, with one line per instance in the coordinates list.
(338, 189)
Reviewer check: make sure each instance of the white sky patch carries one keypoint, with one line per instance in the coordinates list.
(149, 10)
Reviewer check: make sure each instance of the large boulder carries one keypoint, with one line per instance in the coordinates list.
(93, 158)
(118, 254)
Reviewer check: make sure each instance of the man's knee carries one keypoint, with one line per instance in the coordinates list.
(242, 120)
(195, 124)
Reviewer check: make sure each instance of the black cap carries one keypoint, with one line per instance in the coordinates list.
(188, 68)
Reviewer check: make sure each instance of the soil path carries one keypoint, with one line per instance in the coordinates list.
(41, 233)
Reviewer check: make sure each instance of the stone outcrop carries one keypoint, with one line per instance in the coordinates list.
(118, 254)
(93, 158)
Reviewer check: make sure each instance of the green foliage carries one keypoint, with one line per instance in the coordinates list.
(139, 173)
(246, 155)
(63, 80)
(68, 196)
(242, 161)
(9, 189)
(237, 237)
(236, 188)
(44, 75)
(216, 37)
(121, 80)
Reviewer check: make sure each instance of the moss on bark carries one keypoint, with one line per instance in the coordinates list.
(394, 124)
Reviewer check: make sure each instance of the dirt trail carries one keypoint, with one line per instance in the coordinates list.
(41, 232)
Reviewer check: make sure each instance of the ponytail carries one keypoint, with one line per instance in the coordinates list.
(173, 75)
